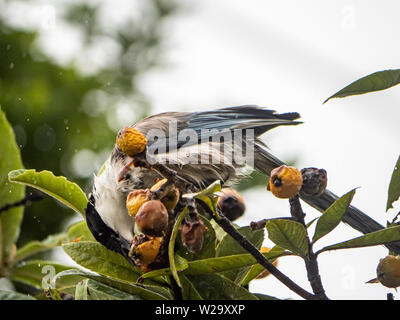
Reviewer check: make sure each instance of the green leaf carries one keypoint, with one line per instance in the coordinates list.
(370, 239)
(80, 231)
(81, 291)
(220, 264)
(37, 272)
(171, 245)
(228, 246)
(180, 265)
(394, 186)
(146, 292)
(96, 257)
(35, 247)
(374, 82)
(217, 287)
(261, 296)
(92, 290)
(189, 291)
(205, 193)
(67, 192)
(216, 265)
(289, 235)
(332, 216)
(11, 295)
(10, 220)
(219, 232)
(309, 224)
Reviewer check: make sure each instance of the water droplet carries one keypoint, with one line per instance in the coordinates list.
(27, 119)
(66, 128)
(59, 149)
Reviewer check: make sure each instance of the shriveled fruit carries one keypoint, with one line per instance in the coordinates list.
(192, 234)
(231, 204)
(152, 218)
(314, 181)
(285, 182)
(131, 141)
(136, 199)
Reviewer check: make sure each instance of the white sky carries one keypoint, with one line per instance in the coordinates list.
(288, 56)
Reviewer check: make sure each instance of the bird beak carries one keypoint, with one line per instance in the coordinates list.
(122, 174)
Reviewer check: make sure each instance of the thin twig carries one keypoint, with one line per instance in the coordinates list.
(30, 197)
(311, 259)
(226, 225)
(258, 225)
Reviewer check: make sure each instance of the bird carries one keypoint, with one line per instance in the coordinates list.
(205, 134)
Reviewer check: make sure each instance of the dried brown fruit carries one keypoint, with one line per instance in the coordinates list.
(152, 218)
(231, 204)
(314, 181)
(285, 182)
(192, 234)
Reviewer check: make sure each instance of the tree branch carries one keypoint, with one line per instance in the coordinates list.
(226, 225)
(30, 197)
(311, 260)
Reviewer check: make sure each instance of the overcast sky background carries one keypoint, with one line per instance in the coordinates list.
(288, 56)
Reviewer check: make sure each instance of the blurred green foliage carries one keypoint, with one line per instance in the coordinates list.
(65, 120)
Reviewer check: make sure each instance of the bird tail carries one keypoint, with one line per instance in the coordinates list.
(265, 162)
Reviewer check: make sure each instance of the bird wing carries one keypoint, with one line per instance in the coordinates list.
(207, 124)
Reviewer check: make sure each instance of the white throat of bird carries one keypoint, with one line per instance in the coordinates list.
(110, 200)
